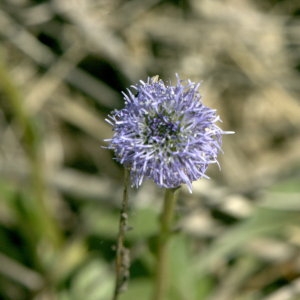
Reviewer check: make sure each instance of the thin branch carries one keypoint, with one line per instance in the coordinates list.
(123, 254)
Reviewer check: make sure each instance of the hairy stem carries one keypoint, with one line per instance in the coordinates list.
(122, 253)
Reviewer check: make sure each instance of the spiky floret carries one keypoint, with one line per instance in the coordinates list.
(165, 133)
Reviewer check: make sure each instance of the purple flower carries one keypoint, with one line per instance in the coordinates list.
(165, 133)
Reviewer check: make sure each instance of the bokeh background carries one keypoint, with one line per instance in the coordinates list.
(63, 65)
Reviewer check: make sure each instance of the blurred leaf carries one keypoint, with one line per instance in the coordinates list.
(92, 282)
(144, 223)
(291, 185)
(184, 280)
(266, 220)
(101, 221)
(7, 195)
(204, 286)
(181, 276)
(138, 289)
(63, 264)
(284, 202)
(104, 222)
(236, 276)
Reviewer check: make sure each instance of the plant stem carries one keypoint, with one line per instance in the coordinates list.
(161, 282)
(122, 253)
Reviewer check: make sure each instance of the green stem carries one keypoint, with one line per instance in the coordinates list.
(161, 279)
(122, 255)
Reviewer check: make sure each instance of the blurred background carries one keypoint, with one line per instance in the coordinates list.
(63, 65)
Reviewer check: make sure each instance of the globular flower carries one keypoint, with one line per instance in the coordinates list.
(165, 133)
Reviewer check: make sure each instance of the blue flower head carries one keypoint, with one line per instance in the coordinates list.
(165, 133)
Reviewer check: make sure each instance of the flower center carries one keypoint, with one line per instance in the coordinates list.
(161, 129)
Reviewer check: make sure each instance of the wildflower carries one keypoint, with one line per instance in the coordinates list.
(165, 133)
